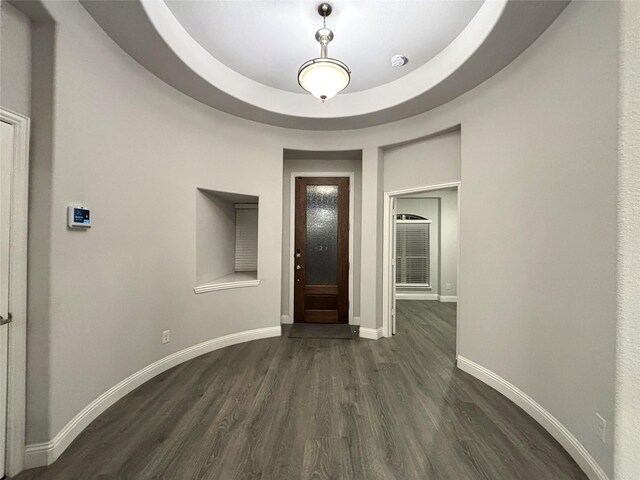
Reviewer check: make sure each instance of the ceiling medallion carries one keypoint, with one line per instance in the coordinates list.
(324, 77)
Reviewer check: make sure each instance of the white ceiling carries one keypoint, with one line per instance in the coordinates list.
(268, 40)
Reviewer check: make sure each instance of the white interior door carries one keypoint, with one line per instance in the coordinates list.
(393, 265)
(6, 166)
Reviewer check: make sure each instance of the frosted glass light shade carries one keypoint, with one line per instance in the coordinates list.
(324, 77)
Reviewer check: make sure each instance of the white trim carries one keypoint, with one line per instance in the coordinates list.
(356, 321)
(387, 281)
(211, 287)
(426, 296)
(448, 298)
(416, 296)
(17, 357)
(551, 424)
(42, 454)
(371, 333)
(422, 189)
(458, 270)
(292, 231)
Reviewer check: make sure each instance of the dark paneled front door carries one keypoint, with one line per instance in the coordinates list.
(321, 250)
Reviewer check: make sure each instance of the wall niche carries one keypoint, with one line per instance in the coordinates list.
(226, 240)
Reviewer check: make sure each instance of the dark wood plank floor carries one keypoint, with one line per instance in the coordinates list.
(286, 408)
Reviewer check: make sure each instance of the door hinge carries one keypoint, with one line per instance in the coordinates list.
(4, 321)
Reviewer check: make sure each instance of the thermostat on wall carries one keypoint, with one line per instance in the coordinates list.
(78, 216)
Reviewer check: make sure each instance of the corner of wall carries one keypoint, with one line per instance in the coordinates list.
(40, 226)
(627, 423)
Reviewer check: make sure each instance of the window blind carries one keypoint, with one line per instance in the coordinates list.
(246, 259)
(412, 252)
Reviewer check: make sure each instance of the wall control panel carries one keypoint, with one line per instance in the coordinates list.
(78, 216)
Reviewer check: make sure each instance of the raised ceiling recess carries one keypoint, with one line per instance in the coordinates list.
(276, 37)
(243, 57)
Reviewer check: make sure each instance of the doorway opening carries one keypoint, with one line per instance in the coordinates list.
(344, 164)
(14, 155)
(421, 260)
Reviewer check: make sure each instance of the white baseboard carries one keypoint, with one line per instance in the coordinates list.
(426, 296)
(42, 454)
(417, 296)
(39, 455)
(371, 333)
(448, 298)
(539, 414)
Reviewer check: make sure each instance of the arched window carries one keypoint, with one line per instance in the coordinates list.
(409, 216)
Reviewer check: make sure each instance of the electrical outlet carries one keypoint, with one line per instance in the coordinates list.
(448, 286)
(166, 336)
(601, 427)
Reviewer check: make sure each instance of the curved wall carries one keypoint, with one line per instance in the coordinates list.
(538, 169)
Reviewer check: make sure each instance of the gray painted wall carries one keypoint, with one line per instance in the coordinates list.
(538, 170)
(15, 58)
(139, 145)
(538, 164)
(448, 241)
(423, 163)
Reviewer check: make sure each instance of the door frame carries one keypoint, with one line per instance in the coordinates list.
(387, 255)
(292, 233)
(16, 375)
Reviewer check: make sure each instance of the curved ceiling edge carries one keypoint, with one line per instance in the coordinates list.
(301, 104)
(150, 34)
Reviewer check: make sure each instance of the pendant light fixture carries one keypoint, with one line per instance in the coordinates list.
(324, 77)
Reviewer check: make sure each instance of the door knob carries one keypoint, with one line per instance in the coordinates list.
(4, 321)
